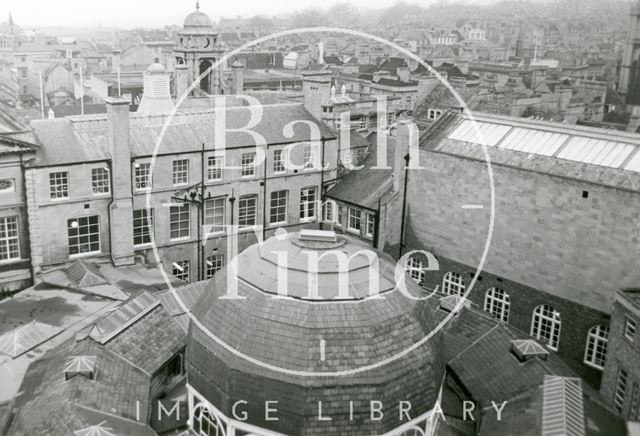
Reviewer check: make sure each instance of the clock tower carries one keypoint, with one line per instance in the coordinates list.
(198, 49)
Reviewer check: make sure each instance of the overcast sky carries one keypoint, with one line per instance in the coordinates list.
(150, 13)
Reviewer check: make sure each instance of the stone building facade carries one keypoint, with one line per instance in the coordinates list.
(621, 378)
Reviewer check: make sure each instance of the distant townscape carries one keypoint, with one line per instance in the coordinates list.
(468, 174)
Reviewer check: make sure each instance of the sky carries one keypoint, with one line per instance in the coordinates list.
(150, 13)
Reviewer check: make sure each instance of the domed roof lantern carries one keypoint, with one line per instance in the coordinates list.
(198, 20)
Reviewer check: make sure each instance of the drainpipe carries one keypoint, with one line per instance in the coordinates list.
(404, 204)
(264, 197)
(376, 228)
(26, 216)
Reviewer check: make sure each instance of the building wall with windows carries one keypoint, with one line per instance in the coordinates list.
(231, 199)
(559, 241)
(575, 320)
(60, 196)
(15, 267)
(74, 212)
(621, 378)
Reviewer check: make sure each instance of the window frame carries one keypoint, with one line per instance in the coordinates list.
(214, 263)
(215, 165)
(100, 180)
(89, 235)
(542, 321)
(415, 268)
(597, 342)
(180, 173)
(183, 208)
(145, 221)
(308, 203)
(497, 302)
(210, 219)
(246, 217)
(630, 328)
(183, 275)
(11, 187)
(10, 241)
(278, 207)
(248, 165)
(279, 166)
(350, 228)
(620, 389)
(61, 179)
(369, 225)
(142, 176)
(449, 283)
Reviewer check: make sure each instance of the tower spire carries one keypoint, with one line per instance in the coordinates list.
(197, 5)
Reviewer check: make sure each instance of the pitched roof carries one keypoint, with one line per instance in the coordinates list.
(84, 139)
(124, 316)
(150, 342)
(47, 404)
(488, 369)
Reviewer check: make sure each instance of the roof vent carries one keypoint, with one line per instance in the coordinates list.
(450, 302)
(562, 407)
(83, 365)
(317, 235)
(526, 349)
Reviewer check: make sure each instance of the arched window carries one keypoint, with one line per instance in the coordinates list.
(452, 284)
(596, 350)
(416, 271)
(545, 326)
(497, 303)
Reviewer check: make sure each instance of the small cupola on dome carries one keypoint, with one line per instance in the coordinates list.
(198, 19)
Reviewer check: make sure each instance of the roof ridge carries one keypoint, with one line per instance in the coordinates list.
(474, 342)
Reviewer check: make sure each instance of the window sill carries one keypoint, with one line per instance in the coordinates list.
(60, 198)
(12, 261)
(280, 223)
(308, 220)
(354, 231)
(593, 365)
(141, 246)
(81, 255)
(182, 239)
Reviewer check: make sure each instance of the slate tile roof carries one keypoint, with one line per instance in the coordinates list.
(47, 404)
(151, 342)
(84, 139)
(486, 367)
(366, 186)
(287, 333)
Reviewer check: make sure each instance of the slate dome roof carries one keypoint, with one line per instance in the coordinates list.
(287, 333)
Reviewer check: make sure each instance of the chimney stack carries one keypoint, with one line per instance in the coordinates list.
(182, 79)
(316, 88)
(404, 75)
(406, 139)
(238, 78)
(116, 60)
(121, 207)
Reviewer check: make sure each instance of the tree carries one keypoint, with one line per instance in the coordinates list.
(310, 17)
(342, 15)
